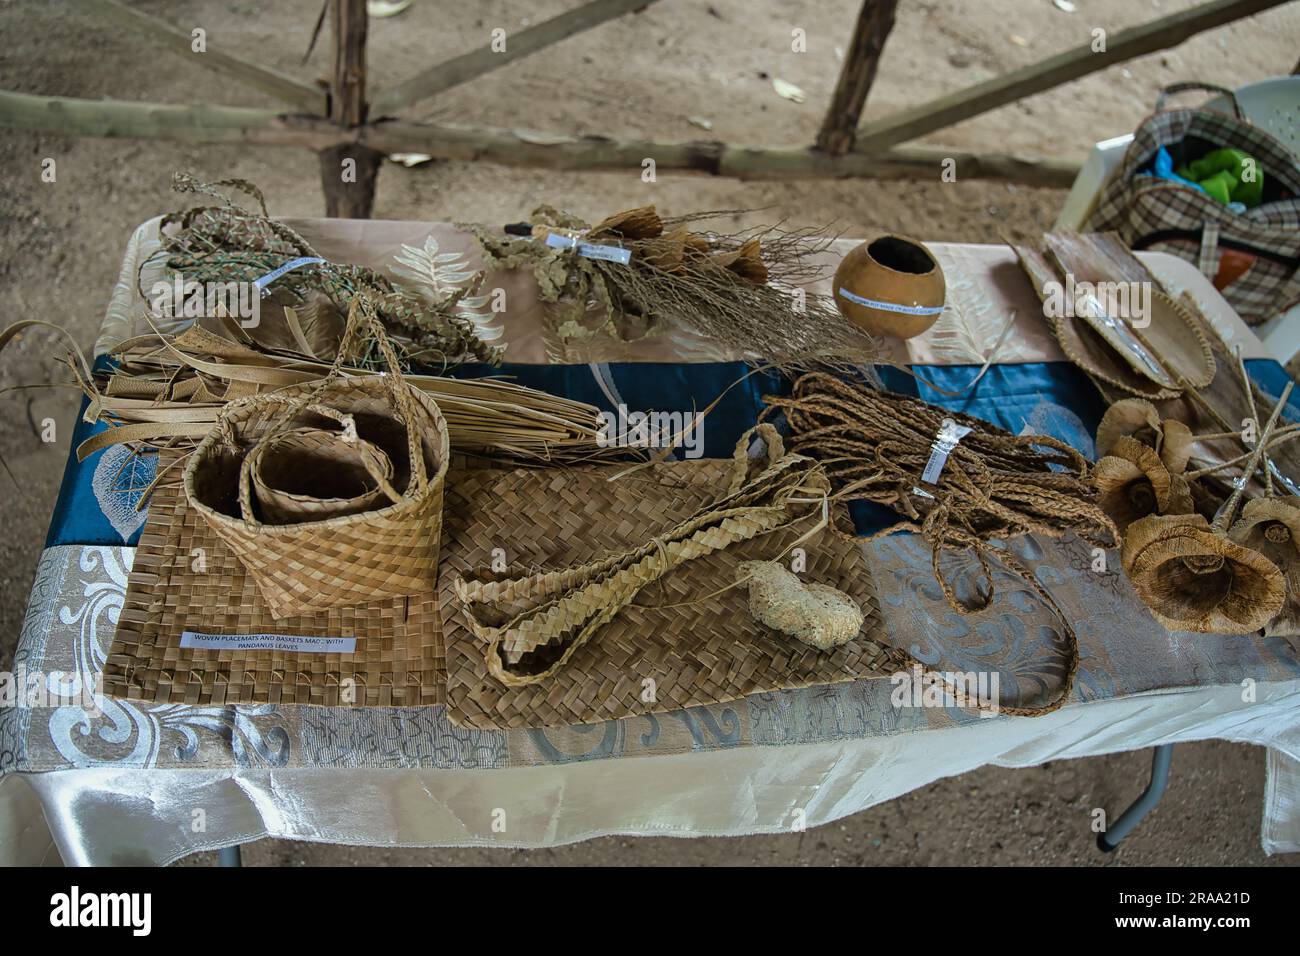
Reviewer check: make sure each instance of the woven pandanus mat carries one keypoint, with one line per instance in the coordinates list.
(185, 578)
(650, 657)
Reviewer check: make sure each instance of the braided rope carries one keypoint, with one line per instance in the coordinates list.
(875, 445)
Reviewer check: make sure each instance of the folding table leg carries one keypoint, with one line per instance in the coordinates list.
(229, 856)
(1161, 757)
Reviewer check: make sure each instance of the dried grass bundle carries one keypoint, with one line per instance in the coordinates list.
(226, 242)
(876, 446)
(168, 389)
(881, 447)
(740, 290)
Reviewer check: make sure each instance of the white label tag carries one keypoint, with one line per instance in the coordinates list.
(589, 249)
(950, 433)
(269, 642)
(261, 283)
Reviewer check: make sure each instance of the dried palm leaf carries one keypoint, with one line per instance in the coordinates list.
(1133, 483)
(1138, 419)
(168, 389)
(741, 291)
(1194, 579)
(1271, 526)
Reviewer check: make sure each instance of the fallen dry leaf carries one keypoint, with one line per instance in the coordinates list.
(788, 90)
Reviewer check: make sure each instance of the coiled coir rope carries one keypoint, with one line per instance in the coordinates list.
(876, 446)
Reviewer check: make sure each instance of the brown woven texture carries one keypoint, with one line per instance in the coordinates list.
(310, 474)
(707, 649)
(1173, 338)
(346, 559)
(398, 657)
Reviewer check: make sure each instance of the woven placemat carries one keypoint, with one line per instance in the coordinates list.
(648, 658)
(185, 578)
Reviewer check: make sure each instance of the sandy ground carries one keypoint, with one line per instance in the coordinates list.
(645, 75)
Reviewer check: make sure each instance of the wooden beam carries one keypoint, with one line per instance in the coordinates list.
(348, 170)
(468, 66)
(1121, 45)
(509, 147)
(875, 20)
(165, 121)
(296, 93)
(557, 151)
(350, 24)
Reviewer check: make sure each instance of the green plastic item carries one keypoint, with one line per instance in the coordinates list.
(1229, 175)
(1220, 186)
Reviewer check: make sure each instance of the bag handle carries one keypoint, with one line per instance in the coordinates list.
(362, 320)
(1173, 89)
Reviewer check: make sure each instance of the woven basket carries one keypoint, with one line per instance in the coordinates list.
(310, 474)
(346, 558)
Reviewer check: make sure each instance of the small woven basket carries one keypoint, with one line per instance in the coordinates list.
(245, 482)
(310, 474)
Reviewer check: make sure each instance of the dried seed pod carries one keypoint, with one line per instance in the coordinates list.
(1138, 419)
(640, 223)
(1194, 579)
(1271, 526)
(697, 243)
(746, 262)
(1133, 483)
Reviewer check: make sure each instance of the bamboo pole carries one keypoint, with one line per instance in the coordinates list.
(296, 93)
(462, 69)
(522, 148)
(350, 168)
(875, 20)
(1161, 34)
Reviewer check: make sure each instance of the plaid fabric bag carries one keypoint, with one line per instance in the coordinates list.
(1251, 257)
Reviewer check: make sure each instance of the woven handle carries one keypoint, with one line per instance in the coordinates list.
(362, 314)
(1173, 89)
(740, 459)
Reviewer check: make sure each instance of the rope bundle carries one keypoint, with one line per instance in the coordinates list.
(875, 446)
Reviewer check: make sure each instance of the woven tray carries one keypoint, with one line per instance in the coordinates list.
(397, 661)
(708, 652)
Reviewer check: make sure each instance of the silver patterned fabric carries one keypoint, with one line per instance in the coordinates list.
(128, 783)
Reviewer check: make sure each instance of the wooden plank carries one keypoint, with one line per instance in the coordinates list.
(349, 170)
(304, 96)
(468, 66)
(875, 20)
(509, 147)
(1122, 45)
